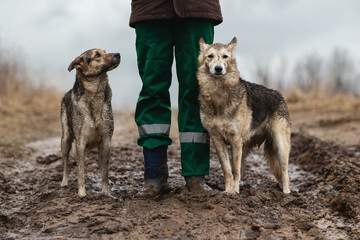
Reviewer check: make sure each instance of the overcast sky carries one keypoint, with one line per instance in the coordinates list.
(49, 34)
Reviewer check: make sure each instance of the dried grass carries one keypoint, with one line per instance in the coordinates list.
(27, 112)
(321, 101)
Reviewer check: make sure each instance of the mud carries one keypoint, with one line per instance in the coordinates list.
(324, 203)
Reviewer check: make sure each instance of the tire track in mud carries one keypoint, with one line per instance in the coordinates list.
(324, 203)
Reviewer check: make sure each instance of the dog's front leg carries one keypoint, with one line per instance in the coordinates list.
(236, 147)
(104, 157)
(80, 152)
(223, 154)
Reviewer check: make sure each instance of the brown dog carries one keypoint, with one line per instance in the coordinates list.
(86, 114)
(241, 114)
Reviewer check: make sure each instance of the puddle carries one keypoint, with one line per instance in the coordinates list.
(334, 228)
(257, 164)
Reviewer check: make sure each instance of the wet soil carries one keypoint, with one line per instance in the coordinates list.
(324, 203)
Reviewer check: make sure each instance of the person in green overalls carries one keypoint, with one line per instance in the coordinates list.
(161, 27)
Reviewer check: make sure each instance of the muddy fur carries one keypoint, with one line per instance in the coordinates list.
(241, 114)
(86, 114)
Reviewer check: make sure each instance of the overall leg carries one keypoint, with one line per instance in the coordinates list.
(154, 47)
(194, 140)
(193, 137)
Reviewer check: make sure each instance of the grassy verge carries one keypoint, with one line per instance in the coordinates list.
(27, 118)
(27, 112)
(321, 101)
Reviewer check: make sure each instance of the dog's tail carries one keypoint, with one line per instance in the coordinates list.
(272, 159)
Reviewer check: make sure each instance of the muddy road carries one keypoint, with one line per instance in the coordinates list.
(324, 203)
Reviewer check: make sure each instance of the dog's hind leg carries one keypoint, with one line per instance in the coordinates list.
(280, 151)
(245, 152)
(271, 157)
(65, 151)
(237, 148)
(80, 155)
(104, 156)
(66, 142)
(223, 154)
(283, 147)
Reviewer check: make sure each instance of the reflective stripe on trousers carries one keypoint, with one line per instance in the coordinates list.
(194, 137)
(154, 128)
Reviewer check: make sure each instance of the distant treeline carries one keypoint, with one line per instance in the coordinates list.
(312, 73)
(336, 73)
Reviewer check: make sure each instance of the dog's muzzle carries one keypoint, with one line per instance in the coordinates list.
(117, 58)
(218, 70)
(115, 61)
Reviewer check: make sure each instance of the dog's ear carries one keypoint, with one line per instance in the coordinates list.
(76, 64)
(231, 46)
(203, 45)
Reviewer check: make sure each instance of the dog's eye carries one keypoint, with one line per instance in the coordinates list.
(97, 55)
(225, 56)
(210, 56)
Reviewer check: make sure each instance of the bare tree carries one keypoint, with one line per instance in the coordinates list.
(281, 73)
(341, 71)
(262, 73)
(312, 73)
(308, 73)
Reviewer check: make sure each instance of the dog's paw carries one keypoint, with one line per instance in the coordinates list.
(105, 188)
(285, 187)
(105, 193)
(229, 192)
(64, 183)
(81, 193)
(286, 191)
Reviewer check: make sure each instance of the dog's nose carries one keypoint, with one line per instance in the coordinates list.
(218, 69)
(117, 55)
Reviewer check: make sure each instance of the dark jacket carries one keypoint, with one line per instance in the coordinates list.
(142, 10)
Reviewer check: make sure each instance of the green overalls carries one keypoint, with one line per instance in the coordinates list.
(155, 44)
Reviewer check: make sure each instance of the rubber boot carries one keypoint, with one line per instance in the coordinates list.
(156, 173)
(196, 184)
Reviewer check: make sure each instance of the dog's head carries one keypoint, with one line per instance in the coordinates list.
(95, 62)
(218, 59)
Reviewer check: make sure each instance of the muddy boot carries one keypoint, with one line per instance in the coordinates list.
(153, 188)
(196, 184)
(156, 173)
